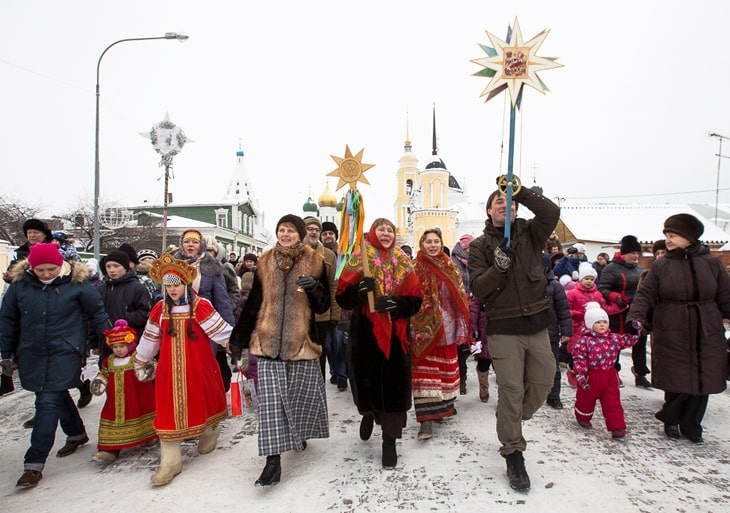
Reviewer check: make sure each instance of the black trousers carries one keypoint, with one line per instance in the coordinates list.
(685, 411)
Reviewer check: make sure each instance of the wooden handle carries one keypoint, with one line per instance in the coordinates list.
(366, 273)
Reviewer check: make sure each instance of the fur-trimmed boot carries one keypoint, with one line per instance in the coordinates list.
(483, 385)
(170, 463)
(207, 441)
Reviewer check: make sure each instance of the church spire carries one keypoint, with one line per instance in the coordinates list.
(407, 147)
(434, 148)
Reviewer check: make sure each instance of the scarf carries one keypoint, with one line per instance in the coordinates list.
(285, 257)
(427, 326)
(393, 272)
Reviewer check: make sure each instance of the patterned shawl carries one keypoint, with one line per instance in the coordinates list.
(427, 326)
(393, 273)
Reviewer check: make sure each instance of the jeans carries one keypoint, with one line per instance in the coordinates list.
(50, 408)
(336, 349)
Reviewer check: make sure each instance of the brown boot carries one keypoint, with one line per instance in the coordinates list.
(483, 385)
(170, 463)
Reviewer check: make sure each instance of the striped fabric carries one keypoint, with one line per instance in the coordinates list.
(435, 383)
(292, 405)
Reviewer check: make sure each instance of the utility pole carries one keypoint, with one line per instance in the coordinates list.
(720, 156)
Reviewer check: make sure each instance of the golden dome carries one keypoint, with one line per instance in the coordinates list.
(327, 199)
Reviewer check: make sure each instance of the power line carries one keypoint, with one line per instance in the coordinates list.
(642, 195)
(47, 77)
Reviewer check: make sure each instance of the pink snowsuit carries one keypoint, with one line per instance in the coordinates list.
(594, 357)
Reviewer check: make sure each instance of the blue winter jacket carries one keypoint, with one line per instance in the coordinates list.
(43, 326)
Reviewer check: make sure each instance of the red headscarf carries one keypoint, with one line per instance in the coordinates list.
(427, 326)
(393, 272)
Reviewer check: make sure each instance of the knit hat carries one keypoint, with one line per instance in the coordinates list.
(328, 226)
(580, 247)
(586, 269)
(312, 220)
(121, 333)
(565, 279)
(686, 225)
(212, 245)
(119, 257)
(146, 253)
(44, 253)
(131, 253)
(661, 244)
(93, 266)
(594, 313)
(60, 237)
(295, 221)
(250, 256)
(630, 244)
(37, 224)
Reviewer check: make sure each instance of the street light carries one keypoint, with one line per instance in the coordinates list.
(97, 237)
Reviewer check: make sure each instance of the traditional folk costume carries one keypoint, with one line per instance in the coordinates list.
(379, 360)
(189, 394)
(129, 410)
(437, 329)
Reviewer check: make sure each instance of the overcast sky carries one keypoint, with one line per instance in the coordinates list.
(630, 113)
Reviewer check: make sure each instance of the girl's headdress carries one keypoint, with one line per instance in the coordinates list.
(167, 270)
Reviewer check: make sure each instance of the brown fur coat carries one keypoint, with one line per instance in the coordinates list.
(282, 316)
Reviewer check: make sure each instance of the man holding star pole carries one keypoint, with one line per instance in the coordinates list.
(506, 269)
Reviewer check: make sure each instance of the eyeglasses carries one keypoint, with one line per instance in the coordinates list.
(313, 229)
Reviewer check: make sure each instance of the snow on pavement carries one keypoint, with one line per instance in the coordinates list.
(572, 469)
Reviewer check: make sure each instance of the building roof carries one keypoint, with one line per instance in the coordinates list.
(608, 222)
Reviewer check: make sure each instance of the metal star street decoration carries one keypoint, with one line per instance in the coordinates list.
(350, 170)
(513, 63)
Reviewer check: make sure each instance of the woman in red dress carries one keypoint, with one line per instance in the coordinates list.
(189, 396)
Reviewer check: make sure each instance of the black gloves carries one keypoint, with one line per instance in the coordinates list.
(386, 304)
(503, 256)
(633, 327)
(306, 282)
(366, 285)
(620, 302)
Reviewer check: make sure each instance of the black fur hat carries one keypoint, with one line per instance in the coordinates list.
(630, 244)
(37, 224)
(686, 225)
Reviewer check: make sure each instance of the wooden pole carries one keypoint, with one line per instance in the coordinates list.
(366, 273)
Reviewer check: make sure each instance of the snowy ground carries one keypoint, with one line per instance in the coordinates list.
(571, 469)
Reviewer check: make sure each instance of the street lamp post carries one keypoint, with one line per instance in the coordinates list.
(97, 235)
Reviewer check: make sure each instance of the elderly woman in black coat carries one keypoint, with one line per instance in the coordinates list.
(689, 291)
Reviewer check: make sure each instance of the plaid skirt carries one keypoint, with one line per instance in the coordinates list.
(292, 404)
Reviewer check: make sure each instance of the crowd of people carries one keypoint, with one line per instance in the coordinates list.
(393, 327)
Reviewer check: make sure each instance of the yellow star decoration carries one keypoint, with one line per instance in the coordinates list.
(515, 63)
(350, 169)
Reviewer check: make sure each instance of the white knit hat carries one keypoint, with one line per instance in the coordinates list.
(594, 313)
(565, 279)
(586, 269)
(580, 247)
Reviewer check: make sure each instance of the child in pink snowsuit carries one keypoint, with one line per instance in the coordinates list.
(594, 357)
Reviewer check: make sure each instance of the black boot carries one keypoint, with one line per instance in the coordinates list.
(518, 478)
(672, 431)
(366, 427)
(271, 474)
(6, 384)
(390, 457)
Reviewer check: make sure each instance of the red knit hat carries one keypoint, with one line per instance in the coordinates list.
(121, 333)
(44, 253)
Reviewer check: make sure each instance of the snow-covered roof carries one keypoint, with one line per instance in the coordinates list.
(609, 222)
(181, 222)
